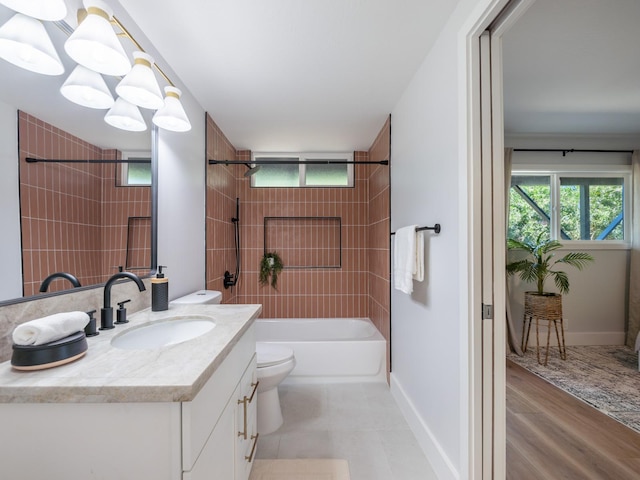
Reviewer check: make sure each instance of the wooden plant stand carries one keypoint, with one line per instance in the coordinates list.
(543, 308)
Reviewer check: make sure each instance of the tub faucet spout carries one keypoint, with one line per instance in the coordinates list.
(106, 312)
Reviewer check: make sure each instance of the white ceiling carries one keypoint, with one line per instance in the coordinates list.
(573, 67)
(286, 75)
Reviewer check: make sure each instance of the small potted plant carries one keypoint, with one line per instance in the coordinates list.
(270, 266)
(538, 265)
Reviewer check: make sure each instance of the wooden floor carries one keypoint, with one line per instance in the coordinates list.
(552, 435)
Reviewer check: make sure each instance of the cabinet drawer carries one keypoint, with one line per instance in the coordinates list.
(200, 416)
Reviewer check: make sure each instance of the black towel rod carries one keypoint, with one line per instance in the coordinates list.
(435, 228)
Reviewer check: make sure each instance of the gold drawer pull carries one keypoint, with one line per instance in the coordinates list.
(255, 387)
(244, 402)
(244, 407)
(249, 458)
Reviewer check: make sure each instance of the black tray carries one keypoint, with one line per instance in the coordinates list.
(52, 354)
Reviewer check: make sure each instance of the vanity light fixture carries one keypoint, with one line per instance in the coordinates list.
(51, 10)
(87, 88)
(125, 116)
(172, 115)
(140, 86)
(95, 44)
(25, 43)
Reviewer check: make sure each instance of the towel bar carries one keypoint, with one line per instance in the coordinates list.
(435, 228)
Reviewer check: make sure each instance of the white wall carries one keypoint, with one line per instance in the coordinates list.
(428, 185)
(595, 307)
(181, 185)
(181, 204)
(11, 251)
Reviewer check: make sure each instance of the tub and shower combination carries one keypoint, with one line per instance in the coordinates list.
(329, 349)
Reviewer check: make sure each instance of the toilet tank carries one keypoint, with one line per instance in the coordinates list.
(201, 297)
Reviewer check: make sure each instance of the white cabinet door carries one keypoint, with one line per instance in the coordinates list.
(216, 461)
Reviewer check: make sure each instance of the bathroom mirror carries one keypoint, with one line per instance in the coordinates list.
(52, 118)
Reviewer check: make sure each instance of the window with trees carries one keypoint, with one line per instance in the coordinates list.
(571, 205)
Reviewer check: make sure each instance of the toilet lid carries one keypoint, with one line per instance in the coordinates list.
(268, 354)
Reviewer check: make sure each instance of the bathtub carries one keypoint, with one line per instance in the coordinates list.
(328, 349)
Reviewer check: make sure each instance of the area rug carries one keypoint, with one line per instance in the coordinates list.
(300, 469)
(605, 377)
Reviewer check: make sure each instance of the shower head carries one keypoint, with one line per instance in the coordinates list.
(250, 170)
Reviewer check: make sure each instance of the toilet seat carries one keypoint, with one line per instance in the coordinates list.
(268, 355)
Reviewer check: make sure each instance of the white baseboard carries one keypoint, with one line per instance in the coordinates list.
(436, 456)
(594, 338)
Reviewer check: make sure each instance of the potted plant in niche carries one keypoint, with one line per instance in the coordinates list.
(270, 267)
(537, 266)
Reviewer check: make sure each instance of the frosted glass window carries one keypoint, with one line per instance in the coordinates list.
(323, 175)
(298, 170)
(277, 175)
(139, 174)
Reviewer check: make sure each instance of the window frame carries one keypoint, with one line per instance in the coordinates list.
(302, 167)
(590, 171)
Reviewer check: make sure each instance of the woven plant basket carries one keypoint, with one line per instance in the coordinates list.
(547, 306)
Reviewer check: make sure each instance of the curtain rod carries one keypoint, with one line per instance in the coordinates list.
(296, 162)
(44, 160)
(568, 150)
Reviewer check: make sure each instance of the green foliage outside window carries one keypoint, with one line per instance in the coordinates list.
(590, 208)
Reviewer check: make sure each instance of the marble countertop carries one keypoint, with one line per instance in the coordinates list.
(174, 373)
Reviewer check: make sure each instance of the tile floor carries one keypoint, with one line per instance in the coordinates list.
(358, 422)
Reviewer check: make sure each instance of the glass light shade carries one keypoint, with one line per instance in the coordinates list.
(25, 43)
(50, 10)
(125, 116)
(140, 86)
(87, 88)
(172, 115)
(94, 43)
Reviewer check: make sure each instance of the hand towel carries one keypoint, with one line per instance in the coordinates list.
(418, 269)
(404, 254)
(49, 329)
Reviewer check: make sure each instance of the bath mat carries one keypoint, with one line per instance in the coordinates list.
(300, 469)
(605, 377)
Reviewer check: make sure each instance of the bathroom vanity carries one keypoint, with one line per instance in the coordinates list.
(183, 411)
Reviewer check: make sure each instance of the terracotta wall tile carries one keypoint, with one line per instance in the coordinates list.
(360, 288)
(82, 202)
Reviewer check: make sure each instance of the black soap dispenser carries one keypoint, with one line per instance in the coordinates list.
(159, 291)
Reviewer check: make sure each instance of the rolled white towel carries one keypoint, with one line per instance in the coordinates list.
(49, 329)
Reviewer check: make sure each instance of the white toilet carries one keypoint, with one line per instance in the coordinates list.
(275, 362)
(201, 297)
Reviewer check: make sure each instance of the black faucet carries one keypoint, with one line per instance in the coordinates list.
(72, 278)
(106, 313)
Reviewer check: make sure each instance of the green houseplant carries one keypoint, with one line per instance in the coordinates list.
(270, 266)
(540, 263)
(537, 266)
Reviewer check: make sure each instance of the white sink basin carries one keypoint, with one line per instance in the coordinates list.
(163, 333)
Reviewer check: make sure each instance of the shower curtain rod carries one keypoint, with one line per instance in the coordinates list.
(41, 160)
(296, 162)
(568, 150)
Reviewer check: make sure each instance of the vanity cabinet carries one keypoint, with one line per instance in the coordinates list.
(219, 425)
(193, 440)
